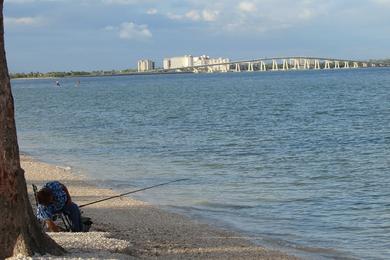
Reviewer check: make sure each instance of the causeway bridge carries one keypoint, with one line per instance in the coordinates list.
(277, 64)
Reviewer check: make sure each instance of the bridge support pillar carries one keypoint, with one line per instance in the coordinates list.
(210, 69)
(250, 66)
(365, 65)
(355, 65)
(336, 64)
(317, 65)
(285, 65)
(238, 67)
(327, 65)
(275, 66)
(297, 65)
(306, 64)
(346, 65)
(263, 67)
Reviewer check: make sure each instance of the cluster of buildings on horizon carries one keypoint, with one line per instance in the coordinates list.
(184, 62)
(146, 65)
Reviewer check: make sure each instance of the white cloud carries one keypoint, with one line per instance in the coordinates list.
(23, 21)
(110, 28)
(209, 16)
(174, 16)
(132, 31)
(247, 7)
(196, 15)
(152, 11)
(123, 2)
(241, 15)
(306, 14)
(193, 15)
(382, 2)
(119, 2)
(252, 16)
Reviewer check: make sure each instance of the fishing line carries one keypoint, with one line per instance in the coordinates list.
(130, 192)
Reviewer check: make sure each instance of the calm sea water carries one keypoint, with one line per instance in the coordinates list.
(297, 160)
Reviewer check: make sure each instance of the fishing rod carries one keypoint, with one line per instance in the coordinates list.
(130, 192)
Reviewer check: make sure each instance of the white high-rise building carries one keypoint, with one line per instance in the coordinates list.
(145, 65)
(189, 61)
(201, 60)
(178, 62)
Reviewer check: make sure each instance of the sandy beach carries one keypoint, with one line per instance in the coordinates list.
(129, 229)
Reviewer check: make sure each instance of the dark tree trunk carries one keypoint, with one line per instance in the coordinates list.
(19, 230)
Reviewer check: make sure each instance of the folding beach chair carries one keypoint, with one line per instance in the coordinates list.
(65, 222)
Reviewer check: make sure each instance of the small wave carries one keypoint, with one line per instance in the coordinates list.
(306, 251)
(116, 184)
(217, 205)
(213, 165)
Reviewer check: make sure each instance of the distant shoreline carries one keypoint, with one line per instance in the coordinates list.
(106, 75)
(158, 73)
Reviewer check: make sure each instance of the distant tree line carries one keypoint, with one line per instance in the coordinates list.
(62, 74)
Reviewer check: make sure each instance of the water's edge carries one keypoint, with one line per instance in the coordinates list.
(287, 247)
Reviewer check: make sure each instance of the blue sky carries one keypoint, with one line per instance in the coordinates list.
(58, 35)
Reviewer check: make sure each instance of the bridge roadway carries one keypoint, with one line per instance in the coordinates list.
(276, 64)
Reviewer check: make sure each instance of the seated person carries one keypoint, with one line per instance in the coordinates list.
(54, 198)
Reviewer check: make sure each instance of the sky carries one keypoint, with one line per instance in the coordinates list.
(65, 35)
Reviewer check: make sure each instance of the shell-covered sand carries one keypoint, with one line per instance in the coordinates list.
(129, 229)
